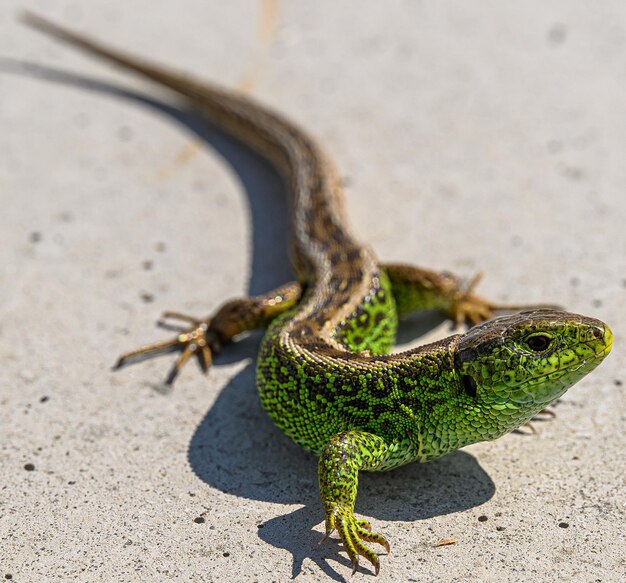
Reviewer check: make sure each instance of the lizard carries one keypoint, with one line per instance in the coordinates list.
(325, 372)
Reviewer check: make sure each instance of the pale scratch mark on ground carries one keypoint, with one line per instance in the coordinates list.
(182, 157)
(266, 25)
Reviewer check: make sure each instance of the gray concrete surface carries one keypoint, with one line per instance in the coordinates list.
(473, 136)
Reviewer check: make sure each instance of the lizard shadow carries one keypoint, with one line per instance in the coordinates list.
(224, 453)
(224, 449)
(263, 187)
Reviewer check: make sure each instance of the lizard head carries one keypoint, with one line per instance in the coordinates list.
(512, 367)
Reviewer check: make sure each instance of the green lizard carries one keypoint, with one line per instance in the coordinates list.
(324, 372)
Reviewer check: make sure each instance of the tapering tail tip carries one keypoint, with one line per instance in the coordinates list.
(46, 26)
(33, 20)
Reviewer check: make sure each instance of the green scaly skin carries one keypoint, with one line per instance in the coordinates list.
(387, 411)
(324, 373)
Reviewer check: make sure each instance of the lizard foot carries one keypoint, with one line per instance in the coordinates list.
(198, 339)
(472, 309)
(352, 533)
(543, 415)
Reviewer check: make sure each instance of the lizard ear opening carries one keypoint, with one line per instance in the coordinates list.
(469, 384)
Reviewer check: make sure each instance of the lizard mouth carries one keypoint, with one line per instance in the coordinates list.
(601, 348)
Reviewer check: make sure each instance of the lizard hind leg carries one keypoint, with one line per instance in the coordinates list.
(417, 289)
(469, 307)
(205, 337)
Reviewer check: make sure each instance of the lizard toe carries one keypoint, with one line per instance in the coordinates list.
(352, 533)
(199, 339)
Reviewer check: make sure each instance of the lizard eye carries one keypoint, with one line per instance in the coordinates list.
(538, 342)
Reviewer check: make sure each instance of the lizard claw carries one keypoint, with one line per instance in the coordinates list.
(526, 429)
(197, 339)
(544, 413)
(352, 533)
(355, 566)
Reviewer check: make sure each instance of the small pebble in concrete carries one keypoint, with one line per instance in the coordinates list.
(482, 518)
(557, 34)
(148, 298)
(29, 467)
(198, 520)
(125, 133)
(563, 524)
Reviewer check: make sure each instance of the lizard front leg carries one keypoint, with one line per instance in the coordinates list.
(206, 336)
(345, 455)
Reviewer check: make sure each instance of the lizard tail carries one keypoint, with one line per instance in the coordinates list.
(179, 82)
(319, 229)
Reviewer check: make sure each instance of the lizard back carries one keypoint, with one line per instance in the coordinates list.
(347, 306)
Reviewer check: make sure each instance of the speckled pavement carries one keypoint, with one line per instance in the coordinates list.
(485, 136)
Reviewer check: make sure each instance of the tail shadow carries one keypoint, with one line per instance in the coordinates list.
(235, 448)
